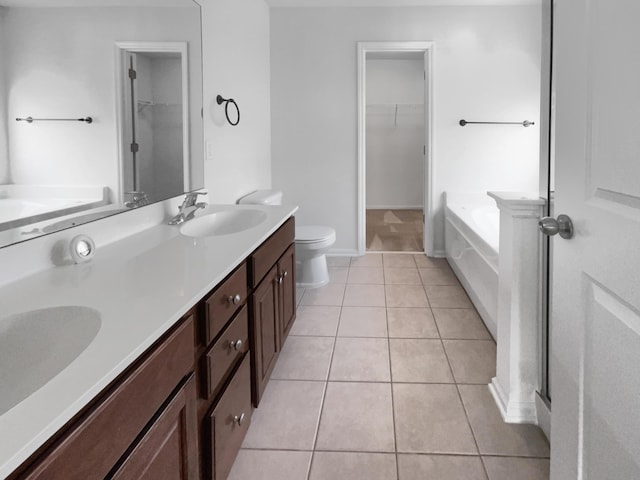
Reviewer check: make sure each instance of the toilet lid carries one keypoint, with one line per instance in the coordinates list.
(314, 233)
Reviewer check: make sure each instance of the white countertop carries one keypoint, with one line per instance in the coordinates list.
(141, 286)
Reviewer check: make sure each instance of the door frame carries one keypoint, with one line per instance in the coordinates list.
(121, 50)
(427, 48)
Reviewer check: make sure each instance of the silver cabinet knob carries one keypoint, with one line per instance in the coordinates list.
(234, 299)
(238, 419)
(550, 226)
(282, 276)
(236, 345)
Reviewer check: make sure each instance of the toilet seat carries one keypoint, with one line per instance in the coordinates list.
(311, 234)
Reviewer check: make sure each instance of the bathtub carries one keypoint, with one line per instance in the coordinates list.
(22, 205)
(472, 238)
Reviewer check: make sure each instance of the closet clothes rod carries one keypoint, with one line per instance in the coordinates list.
(526, 123)
(31, 119)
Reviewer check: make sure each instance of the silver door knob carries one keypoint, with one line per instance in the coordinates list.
(235, 299)
(239, 419)
(236, 345)
(550, 226)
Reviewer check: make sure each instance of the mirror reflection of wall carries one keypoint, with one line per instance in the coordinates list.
(4, 154)
(60, 61)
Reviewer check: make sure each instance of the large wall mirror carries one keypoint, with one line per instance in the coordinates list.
(101, 109)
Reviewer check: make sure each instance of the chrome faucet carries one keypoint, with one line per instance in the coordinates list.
(188, 208)
(138, 199)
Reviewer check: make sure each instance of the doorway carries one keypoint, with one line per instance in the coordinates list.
(394, 146)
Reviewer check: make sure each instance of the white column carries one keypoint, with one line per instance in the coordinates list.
(519, 311)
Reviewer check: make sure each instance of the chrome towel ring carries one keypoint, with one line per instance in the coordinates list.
(227, 101)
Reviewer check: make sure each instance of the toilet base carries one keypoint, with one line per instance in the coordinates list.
(312, 272)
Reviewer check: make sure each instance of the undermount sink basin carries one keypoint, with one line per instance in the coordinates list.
(223, 222)
(37, 345)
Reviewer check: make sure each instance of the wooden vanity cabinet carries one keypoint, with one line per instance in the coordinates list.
(225, 407)
(150, 407)
(265, 321)
(287, 274)
(168, 450)
(229, 421)
(273, 306)
(181, 411)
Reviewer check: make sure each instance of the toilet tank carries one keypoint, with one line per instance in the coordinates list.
(262, 197)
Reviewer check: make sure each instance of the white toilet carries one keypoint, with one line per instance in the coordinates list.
(312, 243)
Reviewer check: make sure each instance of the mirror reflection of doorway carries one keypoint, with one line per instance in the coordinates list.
(154, 134)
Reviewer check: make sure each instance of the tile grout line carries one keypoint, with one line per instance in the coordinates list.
(464, 409)
(324, 393)
(393, 406)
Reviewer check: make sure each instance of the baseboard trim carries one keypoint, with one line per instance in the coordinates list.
(544, 416)
(395, 207)
(512, 411)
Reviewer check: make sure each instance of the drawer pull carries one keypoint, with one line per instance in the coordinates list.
(234, 299)
(236, 345)
(239, 419)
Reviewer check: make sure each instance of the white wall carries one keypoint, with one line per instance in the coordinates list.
(236, 65)
(486, 67)
(395, 133)
(4, 148)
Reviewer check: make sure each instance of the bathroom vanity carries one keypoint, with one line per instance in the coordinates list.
(190, 331)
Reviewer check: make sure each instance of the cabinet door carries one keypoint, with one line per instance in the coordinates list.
(168, 451)
(287, 281)
(99, 438)
(265, 329)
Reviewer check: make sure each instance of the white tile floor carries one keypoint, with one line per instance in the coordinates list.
(384, 377)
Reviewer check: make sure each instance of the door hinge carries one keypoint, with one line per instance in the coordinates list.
(423, 219)
(424, 150)
(134, 147)
(132, 74)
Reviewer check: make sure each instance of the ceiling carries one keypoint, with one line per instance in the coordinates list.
(396, 3)
(272, 3)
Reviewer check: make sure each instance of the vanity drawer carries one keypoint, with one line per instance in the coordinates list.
(230, 420)
(223, 303)
(225, 353)
(270, 251)
(100, 437)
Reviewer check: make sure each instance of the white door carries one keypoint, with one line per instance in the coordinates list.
(595, 322)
